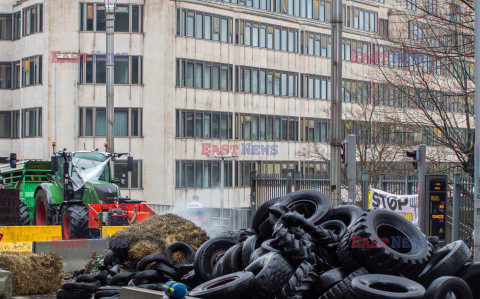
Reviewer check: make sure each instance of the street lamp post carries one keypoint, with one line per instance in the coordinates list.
(110, 70)
(336, 110)
(476, 199)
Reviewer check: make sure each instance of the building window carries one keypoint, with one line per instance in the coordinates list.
(203, 124)
(5, 124)
(32, 122)
(204, 74)
(202, 174)
(266, 81)
(9, 124)
(276, 167)
(383, 27)
(5, 27)
(128, 18)
(315, 87)
(5, 75)
(32, 70)
(243, 171)
(93, 122)
(266, 127)
(315, 44)
(431, 6)
(267, 36)
(17, 25)
(362, 19)
(203, 25)
(260, 4)
(132, 179)
(411, 5)
(128, 69)
(32, 19)
(314, 130)
(356, 91)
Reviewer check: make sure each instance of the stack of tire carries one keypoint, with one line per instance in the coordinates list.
(151, 272)
(299, 247)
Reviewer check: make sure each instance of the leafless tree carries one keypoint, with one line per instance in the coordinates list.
(427, 59)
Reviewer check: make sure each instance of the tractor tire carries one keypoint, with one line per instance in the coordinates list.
(348, 214)
(74, 221)
(301, 284)
(180, 247)
(380, 286)
(446, 286)
(272, 271)
(209, 254)
(24, 215)
(42, 212)
(313, 205)
(405, 250)
(445, 262)
(237, 285)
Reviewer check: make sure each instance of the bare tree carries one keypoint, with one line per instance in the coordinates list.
(427, 59)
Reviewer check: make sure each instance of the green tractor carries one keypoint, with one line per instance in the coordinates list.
(81, 195)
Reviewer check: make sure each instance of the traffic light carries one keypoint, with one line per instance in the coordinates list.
(344, 155)
(415, 155)
(13, 160)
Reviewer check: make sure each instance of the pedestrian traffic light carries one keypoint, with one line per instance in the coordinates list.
(13, 160)
(344, 152)
(415, 156)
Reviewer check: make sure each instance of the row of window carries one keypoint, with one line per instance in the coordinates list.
(22, 23)
(204, 74)
(127, 70)
(208, 124)
(204, 25)
(28, 122)
(268, 36)
(26, 72)
(209, 75)
(202, 174)
(203, 124)
(219, 28)
(354, 17)
(93, 122)
(266, 81)
(128, 18)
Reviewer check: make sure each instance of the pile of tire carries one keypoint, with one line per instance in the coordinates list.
(151, 272)
(301, 247)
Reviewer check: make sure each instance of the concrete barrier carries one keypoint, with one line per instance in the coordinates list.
(75, 253)
(6, 284)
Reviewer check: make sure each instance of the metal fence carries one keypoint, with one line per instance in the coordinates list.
(267, 186)
(459, 218)
(216, 220)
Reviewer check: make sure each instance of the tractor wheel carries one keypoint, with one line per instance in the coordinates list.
(41, 209)
(24, 215)
(74, 221)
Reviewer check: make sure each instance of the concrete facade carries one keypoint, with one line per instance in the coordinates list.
(158, 96)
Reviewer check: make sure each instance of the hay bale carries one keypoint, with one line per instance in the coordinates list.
(33, 273)
(158, 231)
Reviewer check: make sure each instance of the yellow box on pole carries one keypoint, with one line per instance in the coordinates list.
(107, 231)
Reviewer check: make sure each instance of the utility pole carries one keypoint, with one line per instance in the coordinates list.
(336, 110)
(476, 199)
(110, 64)
(352, 168)
(423, 206)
